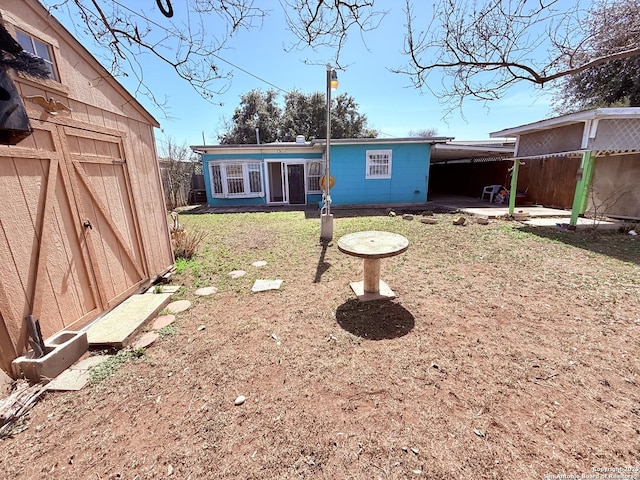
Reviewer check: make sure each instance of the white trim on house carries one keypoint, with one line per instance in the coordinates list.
(378, 164)
(225, 179)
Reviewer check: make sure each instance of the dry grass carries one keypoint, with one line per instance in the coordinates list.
(509, 353)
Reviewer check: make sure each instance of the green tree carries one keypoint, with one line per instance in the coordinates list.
(257, 110)
(303, 114)
(346, 121)
(616, 83)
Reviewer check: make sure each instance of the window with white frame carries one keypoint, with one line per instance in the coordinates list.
(378, 164)
(315, 170)
(236, 179)
(39, 49)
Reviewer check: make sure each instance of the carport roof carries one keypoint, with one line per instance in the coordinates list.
(584, 116)
(471, 151)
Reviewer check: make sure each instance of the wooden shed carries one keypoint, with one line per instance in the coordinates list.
(83, 222)
(588, 161)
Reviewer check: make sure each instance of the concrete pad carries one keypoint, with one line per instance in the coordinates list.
(534, 212)
(264, 285)
(164, 289)
(118, 326)
(385, 292)
(205, 291)
(582, 224)
(179, 306)
(76, 376)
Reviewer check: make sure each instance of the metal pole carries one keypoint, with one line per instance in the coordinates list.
(326, 219)
(327, 161)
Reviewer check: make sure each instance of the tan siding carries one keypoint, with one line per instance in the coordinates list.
(98, 163)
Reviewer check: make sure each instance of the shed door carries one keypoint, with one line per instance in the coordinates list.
(45, 264)
(101, 184)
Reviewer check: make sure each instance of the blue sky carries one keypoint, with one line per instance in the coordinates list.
(392, 105)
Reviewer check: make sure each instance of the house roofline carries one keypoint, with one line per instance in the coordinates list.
(578, 117)
(292, 147)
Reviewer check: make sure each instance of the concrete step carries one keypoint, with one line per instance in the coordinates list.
(118, 327)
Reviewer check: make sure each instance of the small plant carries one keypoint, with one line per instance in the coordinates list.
(185, 243)
(166, 331)
(107, 368)
(157, 289)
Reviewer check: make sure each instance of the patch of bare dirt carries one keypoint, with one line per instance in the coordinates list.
(505, 355)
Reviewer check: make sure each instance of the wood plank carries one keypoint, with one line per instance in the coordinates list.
(43, 225)
(117, 327)
(20, 239)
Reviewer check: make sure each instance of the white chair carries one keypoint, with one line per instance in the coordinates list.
(490, 190)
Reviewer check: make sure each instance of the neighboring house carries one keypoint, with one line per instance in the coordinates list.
(588, 161)
(367, 171)
(83, 223)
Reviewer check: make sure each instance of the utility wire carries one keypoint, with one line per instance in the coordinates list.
(213, 55)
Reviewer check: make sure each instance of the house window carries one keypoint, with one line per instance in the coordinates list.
(236, 179)
(39, 49)
(378, 164)
(314, 171)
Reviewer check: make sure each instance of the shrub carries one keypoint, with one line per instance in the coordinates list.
(185, 243)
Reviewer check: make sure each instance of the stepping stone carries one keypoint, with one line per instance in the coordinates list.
(264, 285)
(163, 321)
(429, 220)
(205, 291)
(259, 263)
(145, 340)
(237, 273)
(179, 306)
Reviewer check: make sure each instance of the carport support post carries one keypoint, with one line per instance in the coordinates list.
(582, 187)
(514, 185)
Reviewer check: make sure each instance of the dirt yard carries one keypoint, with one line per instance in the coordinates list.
(509, 353)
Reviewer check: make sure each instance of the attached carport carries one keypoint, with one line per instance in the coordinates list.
(464, 168)
(603, 145)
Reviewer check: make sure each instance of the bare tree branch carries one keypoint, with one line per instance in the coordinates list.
(484, 48)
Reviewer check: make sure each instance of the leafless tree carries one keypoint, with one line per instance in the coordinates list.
(189, 42)
(482, 46)
(177, 165)
(486, 47)
(424, 132)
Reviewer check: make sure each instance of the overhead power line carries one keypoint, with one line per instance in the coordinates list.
(244, 70)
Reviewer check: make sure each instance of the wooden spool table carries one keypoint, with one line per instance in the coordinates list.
(372, 246)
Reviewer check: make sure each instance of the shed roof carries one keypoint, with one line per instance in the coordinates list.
(578, 117)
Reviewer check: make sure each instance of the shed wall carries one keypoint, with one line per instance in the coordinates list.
(98, 163)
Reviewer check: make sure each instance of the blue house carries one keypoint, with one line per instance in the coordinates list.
(367, 171)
